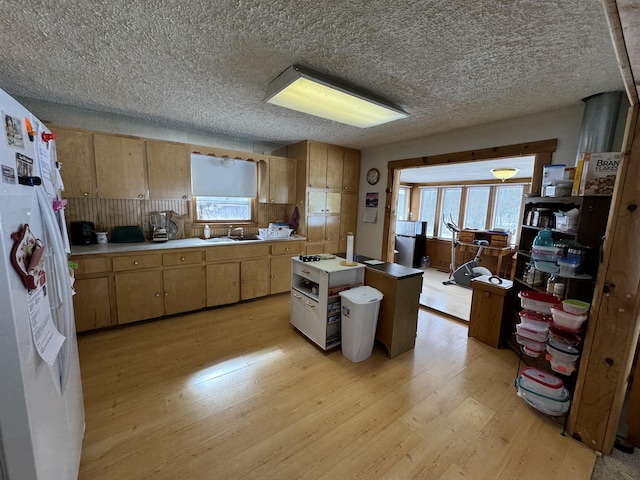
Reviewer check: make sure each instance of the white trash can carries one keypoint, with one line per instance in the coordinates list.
(359, 312)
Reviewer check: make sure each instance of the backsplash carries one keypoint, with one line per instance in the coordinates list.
(108, 213)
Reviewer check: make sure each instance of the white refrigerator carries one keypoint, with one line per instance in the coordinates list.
(41, 405)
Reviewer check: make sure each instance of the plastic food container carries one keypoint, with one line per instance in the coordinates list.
(561, 337)
(538, 302)
(534, 321)
(562, 361)
(554, 327)
(536, 336)
(530, 347)
(542, 382)
(576, 307)
(545, 254)
(568, 268)
(547, 267)
(543, 403)
(567, 320)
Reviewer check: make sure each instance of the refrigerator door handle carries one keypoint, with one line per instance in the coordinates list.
(66, 325)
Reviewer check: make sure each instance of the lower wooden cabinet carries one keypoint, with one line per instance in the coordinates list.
(138, 296)
(223, 284)
(92, 303)
(134, 286)
(184, 289)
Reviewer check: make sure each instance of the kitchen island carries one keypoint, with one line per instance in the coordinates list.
(398, 317)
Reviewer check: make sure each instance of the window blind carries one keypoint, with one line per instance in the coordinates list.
(209, 178)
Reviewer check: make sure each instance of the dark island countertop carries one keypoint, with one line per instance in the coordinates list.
(392, 269)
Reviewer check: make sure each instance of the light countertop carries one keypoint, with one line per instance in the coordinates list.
(97, 249)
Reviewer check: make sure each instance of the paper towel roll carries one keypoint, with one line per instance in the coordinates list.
(350, 247)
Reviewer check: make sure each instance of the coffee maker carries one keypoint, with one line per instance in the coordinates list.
(159, 222)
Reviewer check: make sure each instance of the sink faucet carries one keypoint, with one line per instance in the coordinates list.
(229, 231)
(236, 229)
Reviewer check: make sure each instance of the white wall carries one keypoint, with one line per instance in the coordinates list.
(112, 123)
(565, 125)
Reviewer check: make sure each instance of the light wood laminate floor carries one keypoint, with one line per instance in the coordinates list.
(236, 393)
(449, 299)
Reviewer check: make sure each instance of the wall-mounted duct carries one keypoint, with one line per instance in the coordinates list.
(599, 122)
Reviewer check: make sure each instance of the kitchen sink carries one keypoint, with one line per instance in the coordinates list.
(246, 237)
(219, 240)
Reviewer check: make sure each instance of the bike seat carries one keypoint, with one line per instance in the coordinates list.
(484, 243)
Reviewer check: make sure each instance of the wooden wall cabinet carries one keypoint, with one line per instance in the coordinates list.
(168, 170)
(120, 167)
(74, 149)
(324, 174)
(277, 180)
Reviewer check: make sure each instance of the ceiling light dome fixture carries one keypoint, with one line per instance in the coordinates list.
(504, 173)
(227, 162)
(305, 90)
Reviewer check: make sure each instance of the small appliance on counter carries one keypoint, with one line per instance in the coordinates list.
(159, 222)
(82, 233)
(127, 234)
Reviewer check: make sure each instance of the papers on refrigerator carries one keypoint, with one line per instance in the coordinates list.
(46, 337)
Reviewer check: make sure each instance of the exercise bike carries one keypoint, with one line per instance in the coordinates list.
(466, 272)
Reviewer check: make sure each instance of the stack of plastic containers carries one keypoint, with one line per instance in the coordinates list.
(532, 331)
(564, 330)
(543, 391)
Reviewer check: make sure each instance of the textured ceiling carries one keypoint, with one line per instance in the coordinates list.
(205, 64)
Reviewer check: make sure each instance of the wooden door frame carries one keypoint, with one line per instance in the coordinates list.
(542, 150)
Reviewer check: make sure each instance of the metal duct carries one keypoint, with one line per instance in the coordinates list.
(599, 122)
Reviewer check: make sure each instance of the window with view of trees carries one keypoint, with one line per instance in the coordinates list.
(486, 207)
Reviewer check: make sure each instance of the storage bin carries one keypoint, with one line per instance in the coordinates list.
(567, 320)
(538, 302)
(577, 307)
(543, 403)
(542, 382)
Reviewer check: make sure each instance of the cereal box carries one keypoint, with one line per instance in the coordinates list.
(596, 173)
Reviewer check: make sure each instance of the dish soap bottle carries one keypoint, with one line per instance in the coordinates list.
(207, 231)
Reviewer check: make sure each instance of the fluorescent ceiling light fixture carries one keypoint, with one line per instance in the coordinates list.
(504, 173)
(302, 89)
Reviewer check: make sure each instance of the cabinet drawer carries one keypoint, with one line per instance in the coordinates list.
(181, 258)
(135, 262)
(87, 266)
(228, 252)
(289, 248)
(303, 270)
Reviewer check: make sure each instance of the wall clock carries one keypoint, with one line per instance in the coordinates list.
(373, 175)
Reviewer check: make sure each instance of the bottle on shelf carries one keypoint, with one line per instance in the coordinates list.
(543, 239)
(207, 231)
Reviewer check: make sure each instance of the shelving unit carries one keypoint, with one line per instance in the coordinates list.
(315, 300)
(589, 232)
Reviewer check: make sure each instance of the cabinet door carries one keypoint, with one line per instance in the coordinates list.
(282, 180)
(183, 289)
(317, 203)
(280, 274)
(335, 161)
(75, 153)
(315, 228)
(351, 170)
(315, 322)
(169, 170)
(332, 205)
(91, 303)
(263, 182)
(297, 310)
(223, 284)
(254, 278)
(348, 217)
(119, 166)
(332, 234)
(138, 296)
(317, 165)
